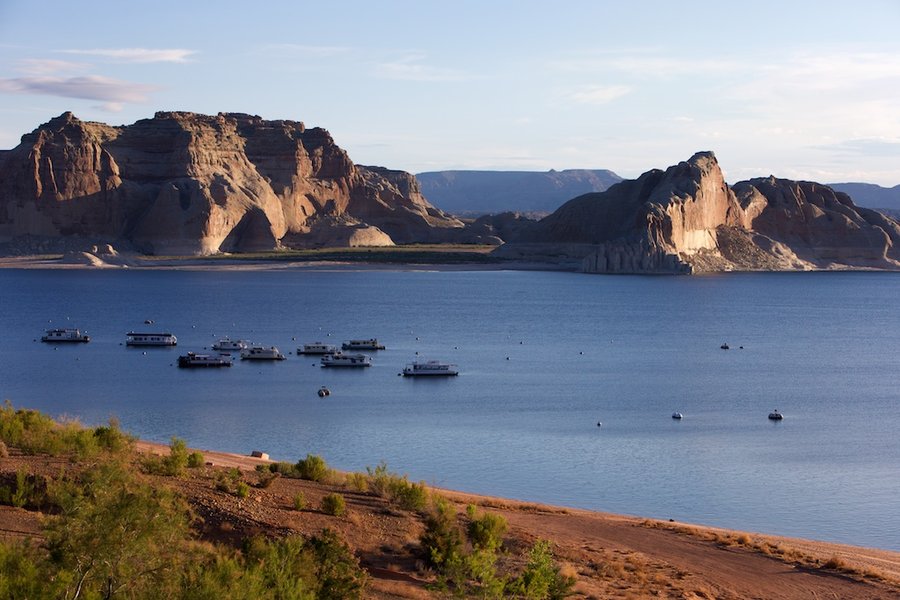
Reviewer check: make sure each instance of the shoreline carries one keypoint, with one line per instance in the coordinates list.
(249, 463)
(567, 525)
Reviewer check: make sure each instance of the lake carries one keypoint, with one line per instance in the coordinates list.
(543, 358)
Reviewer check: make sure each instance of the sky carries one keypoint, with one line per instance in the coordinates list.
(795, 88)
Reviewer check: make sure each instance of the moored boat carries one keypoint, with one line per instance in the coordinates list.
(261, 353)
(317, 348)
(677, 416)
(370, 344)
(150, 339)
(775, 415)
(228, 345)
(192, 359)
(431, 368)
(339, 359)
(68, 334)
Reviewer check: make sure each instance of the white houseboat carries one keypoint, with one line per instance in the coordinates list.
(228, 345)
(370, 344)
(261, 353)
(317, 348)
(194, 360)
(65, 335)
(340, 359)
(431, 368)
(150, 339)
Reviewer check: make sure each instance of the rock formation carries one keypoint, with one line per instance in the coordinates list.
(183, 183)
(687, 219)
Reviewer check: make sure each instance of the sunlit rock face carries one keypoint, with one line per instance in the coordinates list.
(686, 219)
(184, 183)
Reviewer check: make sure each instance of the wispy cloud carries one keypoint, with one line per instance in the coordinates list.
(599, 94)
(872, 147)
(92, 87)
(411, 68)
(47, 66)
(138, 55)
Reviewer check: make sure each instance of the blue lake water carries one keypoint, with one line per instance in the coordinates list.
(543, 357)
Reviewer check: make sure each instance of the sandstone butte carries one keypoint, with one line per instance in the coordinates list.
(686, 219)
(189, 184)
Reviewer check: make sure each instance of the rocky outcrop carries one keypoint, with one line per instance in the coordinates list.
(687, 219)
(183, 183)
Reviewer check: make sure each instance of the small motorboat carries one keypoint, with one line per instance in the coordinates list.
(677, 416)
(724, 346)
(775, 415)
(324, 391)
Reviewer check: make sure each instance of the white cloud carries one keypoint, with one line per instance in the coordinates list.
(41, 66)
(411, 68)
(138, 55)
(92, 87)
(599, 94)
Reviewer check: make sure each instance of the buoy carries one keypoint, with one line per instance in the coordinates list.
(599, 424)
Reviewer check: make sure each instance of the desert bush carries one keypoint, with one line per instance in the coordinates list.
(285, 469)
(300, 502)
(338, 573)
(27, 491)
(227, 480)
(442, 540)
(266, 478)
(397, 488)
(242, 489)
(485, 531)
(171, 465)
(357, 482)
(312, 468)
(334, 504)
(542, 578)
(195, 460)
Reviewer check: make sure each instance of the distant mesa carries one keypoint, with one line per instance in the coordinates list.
(191, 184)
(476, 193)
(686, 219)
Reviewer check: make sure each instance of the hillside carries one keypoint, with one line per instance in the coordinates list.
(474, 193)
(236, 505)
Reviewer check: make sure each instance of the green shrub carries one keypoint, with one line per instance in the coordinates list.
(334, 505)
(266, 478)
(300, 502)
(312, 468)
(485, 531)
(338, 572)
(228, 480)
(285, 469)
(442, 540)
(541, 579)
(397, 488)
(242, 489)
(357, 482)
(27, 491)
(195, 460)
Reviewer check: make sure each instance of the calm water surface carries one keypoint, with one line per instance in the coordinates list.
(543, 358)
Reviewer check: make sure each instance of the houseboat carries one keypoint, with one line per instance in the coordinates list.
(339, 359)
(65, 335)
(228, 345)
(261, 353)
(194, 360)
(431, 368)
(371, 344)
(317, 348)
(150, 339)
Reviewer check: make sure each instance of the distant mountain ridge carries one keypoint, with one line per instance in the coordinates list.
(492, 192)
(870, 195)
